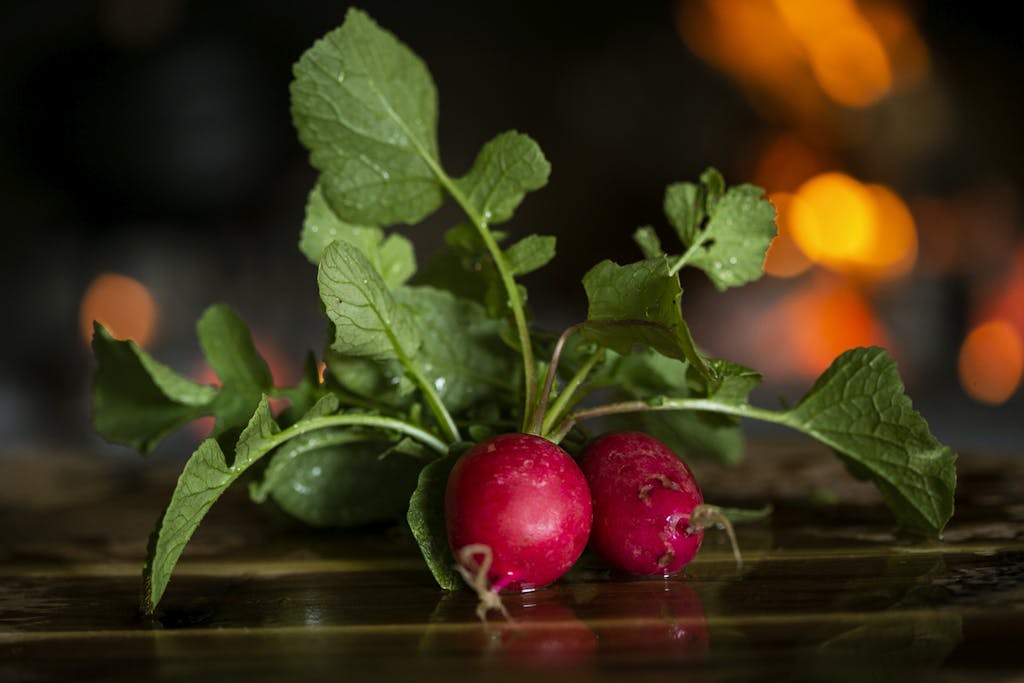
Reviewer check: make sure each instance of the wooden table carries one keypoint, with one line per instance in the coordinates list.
(828, 590)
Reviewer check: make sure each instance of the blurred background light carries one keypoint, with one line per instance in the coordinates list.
(991, 362)
(153, 139)
(122, 305)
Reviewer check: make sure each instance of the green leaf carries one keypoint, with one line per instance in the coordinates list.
(713, 185)
(726, 232)
(381, 384)
(859, 408)
(206, 476)
(647, 239)
(508, 166)
(305, 395)
(426, 520)
(244, 375)
(396, 260)
(684, 208)
(366, 108)
(136, 400)
(697, 434)
(638, 304)
(733, 382)
(393, 256)
(462, 353)
(530, 253)
(736, 238)
(322, 226)
(465, 239)
(345, 483)
(368, 322)
(450, 271)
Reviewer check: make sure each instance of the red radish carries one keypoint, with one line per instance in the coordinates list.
(517, 513)
(649, 514)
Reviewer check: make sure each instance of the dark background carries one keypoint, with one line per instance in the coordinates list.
(153, 139)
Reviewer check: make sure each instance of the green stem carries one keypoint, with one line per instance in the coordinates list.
(511, 291)
(434, 402)
(561, 404)
(480, 223)
(685, 257)
(536, 424)
(349, 420)
(706, 404)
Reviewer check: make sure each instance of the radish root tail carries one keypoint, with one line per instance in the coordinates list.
(474, 562)
(704, 516)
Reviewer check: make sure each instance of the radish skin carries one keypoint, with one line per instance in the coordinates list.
(518, 513)
(645, 501)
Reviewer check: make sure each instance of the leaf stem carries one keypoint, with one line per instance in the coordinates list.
(434, 402)
(350, 420)
(543, 419)
(515, 302)
(685, 257)
(538, 418)
(566, 395)
(706, 404)
(507, 280)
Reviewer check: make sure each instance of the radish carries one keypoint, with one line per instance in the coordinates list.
(517, 514)
(649, 513)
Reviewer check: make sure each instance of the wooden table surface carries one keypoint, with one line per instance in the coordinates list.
(829, 590)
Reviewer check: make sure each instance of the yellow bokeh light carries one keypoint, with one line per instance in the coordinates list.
(991, 362)
(121, 304)
(833, 221)
(893, 249)
(861, 230)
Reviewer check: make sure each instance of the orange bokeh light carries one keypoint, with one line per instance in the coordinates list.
(893, 250)
(121, 304)
(803, 54)
(861, 230)
(846, 55)
(784, 257)
(822, 318)
(786, 161)
(907, 50)
(991, 362)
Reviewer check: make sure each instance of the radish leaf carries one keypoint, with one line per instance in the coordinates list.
(137, 401)
(392, 255)
(859, 408)
(244, 375)
(365, 106)
(206, 476)
(368, 321)
(506, 168)
(426, 520)
(643, 292)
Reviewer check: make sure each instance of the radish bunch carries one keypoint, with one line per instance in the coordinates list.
(519, 510)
